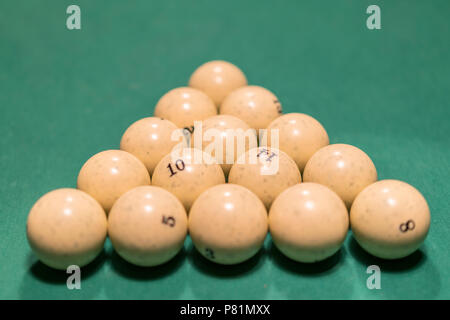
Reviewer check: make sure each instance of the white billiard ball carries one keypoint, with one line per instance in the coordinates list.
(343, 168)
(255, 105)
(228, 224)
(147, 226)
(229, 135)
(266, 172)
(187, 173)
(185, 105)
(308, 222)
(150, 139)
(299, 135)
(66, 227)
(109, 174)
(217, 79)
(390, 219)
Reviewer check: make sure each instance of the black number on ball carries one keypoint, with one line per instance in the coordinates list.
(266, 152)
(179, 164)
(407, 226)
(170, 221)
(278, 105)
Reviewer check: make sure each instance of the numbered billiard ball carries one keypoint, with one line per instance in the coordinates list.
(229, 136)
(265, 171)
(66, 227)
(308, 222)
(150, 139)
(187, 173)
(390, 219)
(217, 79)
(343, 168)
(147, 226)
(109, 174)
(228, 224)
(255, 105)
(185, 105)
(299, 135)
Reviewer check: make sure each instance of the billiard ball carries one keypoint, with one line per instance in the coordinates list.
(229, 135)
(390, 219)
(300, 136)
(186, 173)
(217, 79)
(266, 172)
(228, 224)
(185, 105)
(255, 105)
(66, 227)
(149, 139)
(343, 168)
(109, 174)
(308, 222)
(147, 226)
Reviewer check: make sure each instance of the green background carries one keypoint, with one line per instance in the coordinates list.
(66, 95)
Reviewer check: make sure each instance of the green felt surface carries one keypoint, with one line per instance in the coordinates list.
(66, 95)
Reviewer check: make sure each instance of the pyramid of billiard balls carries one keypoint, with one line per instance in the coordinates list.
(162, 183)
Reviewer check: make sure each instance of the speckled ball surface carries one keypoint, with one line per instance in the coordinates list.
(187, 174)
(255, 105)
(217, 79)
(308, 222)
(185, 105)
(149, 139)
(266, 172)
(109, 174)
(147, 226)
(66, 227)
(228, 224)
(231, 134)
(300, 136)
(390, 219)
(343, 168)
